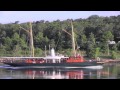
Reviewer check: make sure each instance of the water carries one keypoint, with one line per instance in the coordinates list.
(107, 72)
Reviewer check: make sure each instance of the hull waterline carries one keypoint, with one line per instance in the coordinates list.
(55, 65)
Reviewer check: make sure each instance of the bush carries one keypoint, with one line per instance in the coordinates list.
(113, 55)
(68, 52)
(97, 51)
(39, 52)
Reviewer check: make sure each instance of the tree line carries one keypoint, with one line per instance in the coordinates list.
(91, 34)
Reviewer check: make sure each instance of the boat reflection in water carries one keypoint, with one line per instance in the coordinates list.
(56, 74)
(107, 72)
(42, 73)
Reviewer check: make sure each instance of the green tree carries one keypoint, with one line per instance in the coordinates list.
(113, 55)
(8, 43)
(97, 51)
(104, 29)
(15, 39)
(17, 50)
(2, 50)
(107, 36)
(22, 44)
(52, 43)
(118, 46)
(91, 46)
(38, 40)
(82, 41)
(114, 47)
(38, 52)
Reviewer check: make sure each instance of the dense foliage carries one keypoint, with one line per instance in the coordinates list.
(91, 35)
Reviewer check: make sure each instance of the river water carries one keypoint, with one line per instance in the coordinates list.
(111, 71)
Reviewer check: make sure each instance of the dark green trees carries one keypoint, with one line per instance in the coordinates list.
(91, 45)
(91, 34)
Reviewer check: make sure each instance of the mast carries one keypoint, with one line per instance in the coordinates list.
(30, 33)
(31, 41)
(73, 40)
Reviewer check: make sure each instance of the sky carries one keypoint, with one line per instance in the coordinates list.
(26, 16)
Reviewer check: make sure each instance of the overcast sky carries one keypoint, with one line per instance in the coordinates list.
(25, 16)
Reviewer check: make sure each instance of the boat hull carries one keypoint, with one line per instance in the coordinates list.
(81, 64)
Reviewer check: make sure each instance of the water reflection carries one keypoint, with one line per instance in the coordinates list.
(56, 74)
(108, 72)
